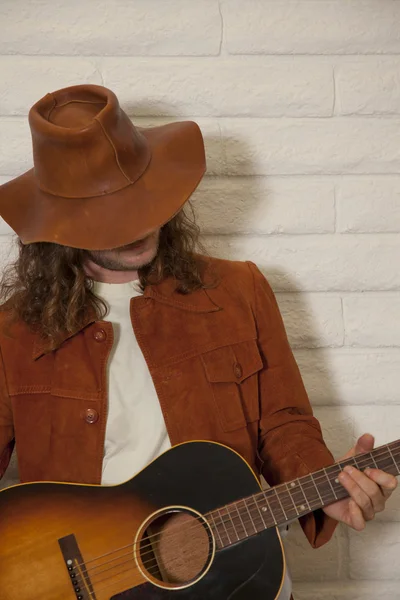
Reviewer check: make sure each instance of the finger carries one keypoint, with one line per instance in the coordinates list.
(388, 483)
(369, 487)
(357, 520)
(365, 443)
(359, 496)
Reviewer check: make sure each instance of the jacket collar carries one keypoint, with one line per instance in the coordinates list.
(164, 292)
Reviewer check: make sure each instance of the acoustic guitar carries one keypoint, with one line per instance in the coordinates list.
(193, 525)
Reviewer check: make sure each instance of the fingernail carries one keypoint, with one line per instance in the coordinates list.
(367, 470)
(349, 469)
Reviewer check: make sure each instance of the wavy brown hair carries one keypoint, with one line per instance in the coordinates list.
(47, 288)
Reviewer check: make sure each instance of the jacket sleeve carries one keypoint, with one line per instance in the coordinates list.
(290, 437)
(6, 423)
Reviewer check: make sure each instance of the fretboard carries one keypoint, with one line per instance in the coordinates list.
(286, 502)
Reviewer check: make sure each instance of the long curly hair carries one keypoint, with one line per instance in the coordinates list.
(48, 289)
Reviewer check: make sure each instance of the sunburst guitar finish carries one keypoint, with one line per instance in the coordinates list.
(151, 538)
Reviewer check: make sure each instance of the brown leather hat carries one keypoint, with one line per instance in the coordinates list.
(98, 181)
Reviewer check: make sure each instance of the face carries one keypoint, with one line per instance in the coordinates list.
(128, 258)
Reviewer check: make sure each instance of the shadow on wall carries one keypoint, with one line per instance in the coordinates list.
(225, 215)
(226, 210)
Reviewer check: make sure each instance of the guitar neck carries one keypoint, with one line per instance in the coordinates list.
(289, 501)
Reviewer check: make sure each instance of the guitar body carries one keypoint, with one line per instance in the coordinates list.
(100, 531)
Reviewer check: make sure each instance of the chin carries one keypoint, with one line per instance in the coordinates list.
(141, 259)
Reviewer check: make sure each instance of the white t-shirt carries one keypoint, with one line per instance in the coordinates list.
(135, 433)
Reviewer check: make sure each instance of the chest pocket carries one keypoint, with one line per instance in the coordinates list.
(232, 372)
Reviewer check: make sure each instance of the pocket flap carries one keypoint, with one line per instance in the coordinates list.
(233, 363)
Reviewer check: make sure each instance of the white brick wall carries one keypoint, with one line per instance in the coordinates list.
(299, 102)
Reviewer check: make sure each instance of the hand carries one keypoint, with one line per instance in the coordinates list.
(368, 490)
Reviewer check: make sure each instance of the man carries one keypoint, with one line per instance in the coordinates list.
(192, 348)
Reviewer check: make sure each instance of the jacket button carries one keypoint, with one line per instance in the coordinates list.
(100, 335)
(238, 371)
(91, 416)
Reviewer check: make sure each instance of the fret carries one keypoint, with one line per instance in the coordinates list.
(373, 460)
(258, 508)
(272, 507)
(330, 483)
(333, 473)
(311, 493)
(269, 508)
(223, 523)
(392, 457)
(385, 461)
(241, 520)
(279, 500)
(251, 518)
(364, 461)
(291, 497)
(305, 497)
(228, 512)
(215, 528)
(316, 487)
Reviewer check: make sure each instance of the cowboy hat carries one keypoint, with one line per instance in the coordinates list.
(98, 181)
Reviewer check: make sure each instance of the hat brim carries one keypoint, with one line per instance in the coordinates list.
(176, 168)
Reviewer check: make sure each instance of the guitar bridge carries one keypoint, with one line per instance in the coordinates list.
(77, 572)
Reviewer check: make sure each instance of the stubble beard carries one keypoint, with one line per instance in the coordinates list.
(114, 263)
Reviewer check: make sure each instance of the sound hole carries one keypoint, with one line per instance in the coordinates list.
(176, 548)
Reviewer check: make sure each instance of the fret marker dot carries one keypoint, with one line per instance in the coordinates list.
(264, 509)
(302, 507)
(336, 480)
(293, 484)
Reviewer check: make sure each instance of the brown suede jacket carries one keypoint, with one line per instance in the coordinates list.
(222, 368)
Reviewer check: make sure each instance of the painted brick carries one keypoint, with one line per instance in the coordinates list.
(98, 27)
(372, 319)
(326, 563)
(375, 552)
(368, 86)
(5, 229)
(312, 320)
(8, 249)
(349, 376)
(359, 590)
(265, 205)
(311, 146)
(368, 204)
(207, 87)
(15, 146)
(45, 74)
(309, 27)
(344, 424)
(317, 262)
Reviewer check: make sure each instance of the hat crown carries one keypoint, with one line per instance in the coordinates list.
(84, 144)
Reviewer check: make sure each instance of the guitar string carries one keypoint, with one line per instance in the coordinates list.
(305, 486)
(229, 521)
(115, 582)
(222, 521)
(134, 567)
(256, 522)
